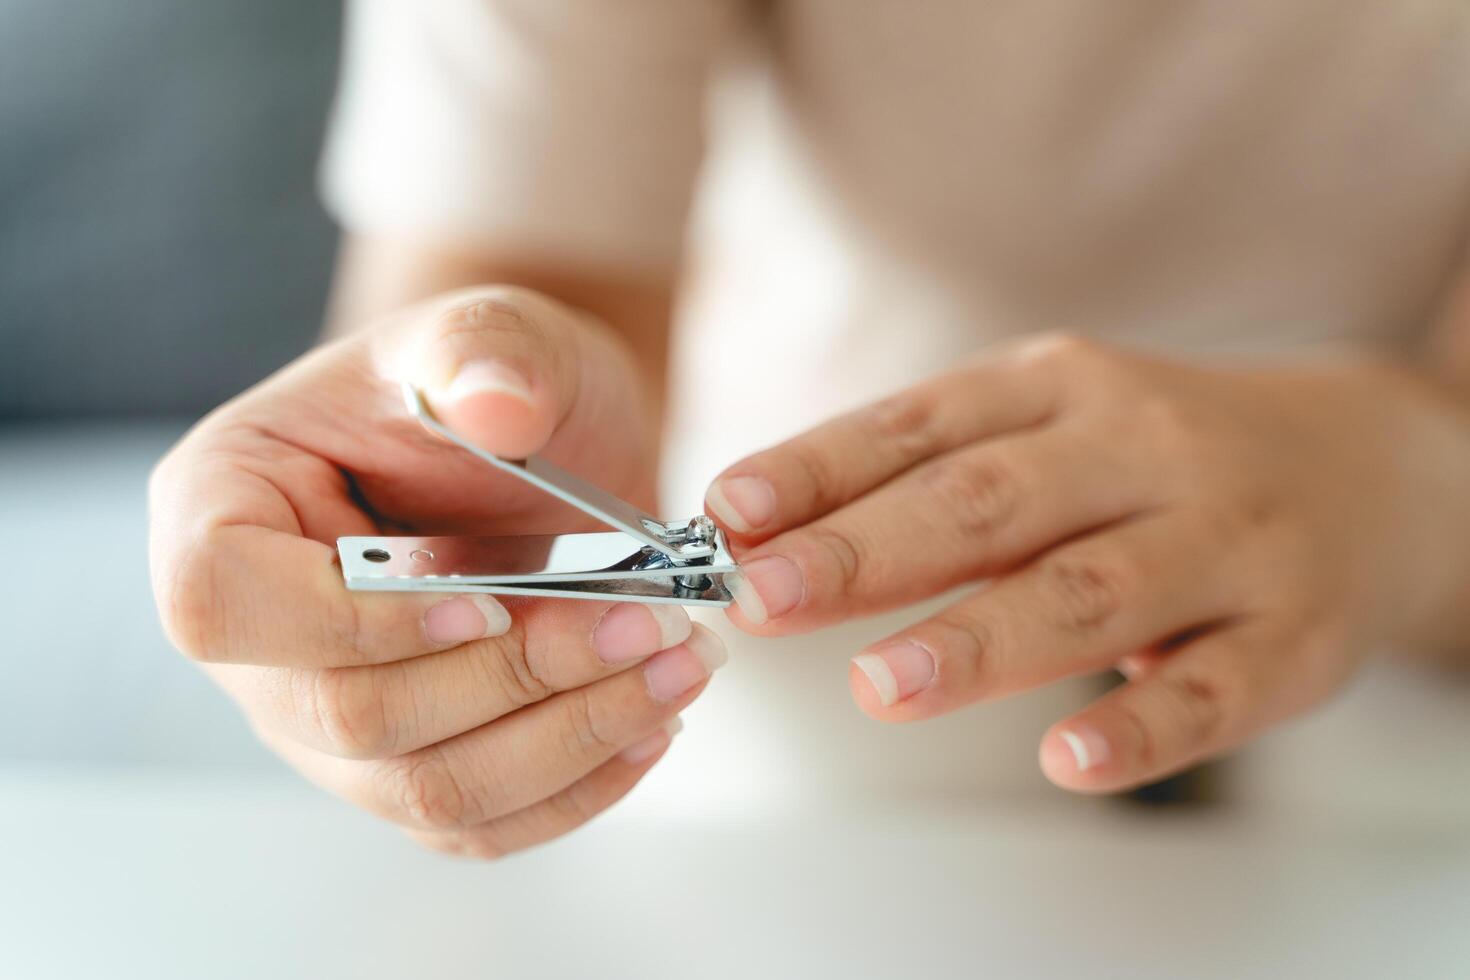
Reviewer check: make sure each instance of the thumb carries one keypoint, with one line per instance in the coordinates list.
(499, 365)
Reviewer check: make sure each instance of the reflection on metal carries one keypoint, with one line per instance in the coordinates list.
(644, 560)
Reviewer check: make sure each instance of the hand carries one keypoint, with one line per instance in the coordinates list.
(1231, 540)
(483, 727)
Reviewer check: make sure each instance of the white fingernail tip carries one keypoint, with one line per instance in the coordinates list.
(1078, 747)
(876, 669)
(673, 726)
(721, 509)
(673, 622)
(478, 377)
(749, 601)
(497, 618)
(708, 647)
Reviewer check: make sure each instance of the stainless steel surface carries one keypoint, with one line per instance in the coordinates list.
(607, 565)
(678, 540)
(644, 560)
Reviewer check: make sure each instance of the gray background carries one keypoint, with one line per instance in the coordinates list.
(160, 242)
(161, 248)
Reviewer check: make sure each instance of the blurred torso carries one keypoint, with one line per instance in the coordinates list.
(892, 187)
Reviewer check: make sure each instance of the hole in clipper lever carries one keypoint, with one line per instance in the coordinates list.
(376, 554)
(421, 554)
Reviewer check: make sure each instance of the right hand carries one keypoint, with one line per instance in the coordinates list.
(482, 727)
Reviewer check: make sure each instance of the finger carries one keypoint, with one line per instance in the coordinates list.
(252, 595)
(977, 511)
(240, 577)
(377, 712)
(526, 756)
(805, 477)
(505, 367)
(560, 813)
(1198, 702)
(242, 513)
(234, 504)
(1077, 609)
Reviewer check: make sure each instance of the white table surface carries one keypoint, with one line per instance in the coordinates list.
(172, 875)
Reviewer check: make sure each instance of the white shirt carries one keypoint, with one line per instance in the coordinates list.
(878, 187)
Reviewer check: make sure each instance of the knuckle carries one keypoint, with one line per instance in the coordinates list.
(1145, 741)
(586, 735)
(1062, 348)
(977, 492)
(424, 788)
(1084, 593)
(818, 472)
(965, 637)
(349, 709)
(502, 310)
(1177, 717)
(1198, 706)
(846, 560)
(573, 806)
(522, 676)
(1258, 510)
(492, 310)
(906, 423)
(345, 631)
(1068, 355)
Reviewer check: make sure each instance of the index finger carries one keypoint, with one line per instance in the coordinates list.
(814, 473)
(242, 508)
(237, 581)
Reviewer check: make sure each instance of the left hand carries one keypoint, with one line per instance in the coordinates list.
(1232, 540)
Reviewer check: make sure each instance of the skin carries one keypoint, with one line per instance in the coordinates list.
(1183, 523)
(1235, 540)
(479, 732)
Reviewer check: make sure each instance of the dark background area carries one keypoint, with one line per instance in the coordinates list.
(161, 244)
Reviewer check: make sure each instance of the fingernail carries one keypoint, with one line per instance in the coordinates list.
(645, 749)
(742, 503)
(628, 631)
(766, 588)
(672, 673)
(708, 647)
(1088, 746)
(482, 377)
(897, 671)
(465, 618)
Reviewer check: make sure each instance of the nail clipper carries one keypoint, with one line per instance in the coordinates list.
(643, 560)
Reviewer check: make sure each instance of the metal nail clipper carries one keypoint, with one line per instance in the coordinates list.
(643, 560)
